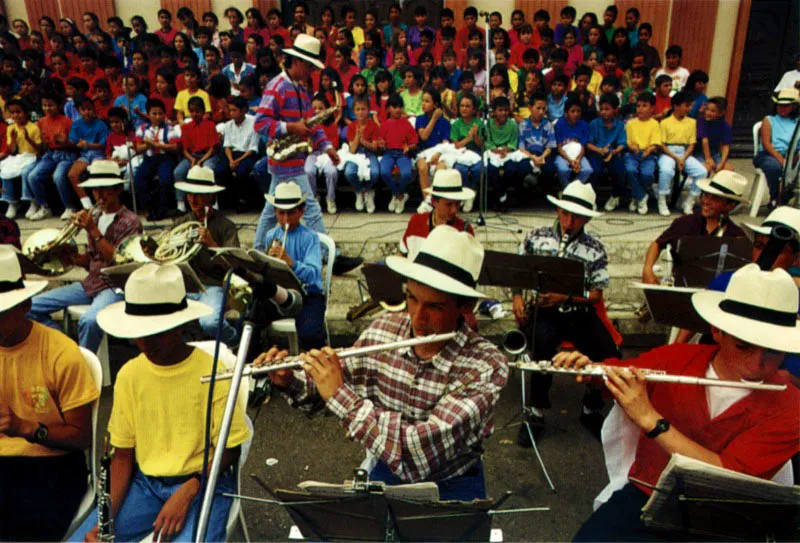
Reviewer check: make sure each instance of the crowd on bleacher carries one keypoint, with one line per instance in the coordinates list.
(583, 98)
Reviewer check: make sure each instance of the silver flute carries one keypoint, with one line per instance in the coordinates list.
(656, 376)
(296, 362)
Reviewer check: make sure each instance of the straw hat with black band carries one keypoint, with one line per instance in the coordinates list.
(103, 174)
(199, 180)
(13, 289)
(307, 48)
(787, 97)
(725, 184)
(447, 184)
(578, 198)
(780, 216)
(287, 196)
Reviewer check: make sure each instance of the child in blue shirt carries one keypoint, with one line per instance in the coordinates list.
(537, 138)
(88, 134)
(133, 102)
(572, 129)
(557, 97)
(607, 142)
(433, 129)
(76, 88)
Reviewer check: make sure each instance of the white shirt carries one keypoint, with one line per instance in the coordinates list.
(241, 137)
(105, 221)
(164, 134)
(679, 77)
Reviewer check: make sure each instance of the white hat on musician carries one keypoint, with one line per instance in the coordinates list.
(578, 198)
(787, 97)
(448, 260)
(726, 184)
(13, 290)
(199, 180)
(103, 173)
(757, 307)
(287, 195)
(308, 48)
(155, 301)
(447, 184)
(783, 215)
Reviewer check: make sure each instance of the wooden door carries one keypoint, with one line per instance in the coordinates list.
(74, 9)
(198, 7)
(691, 29)
(39, 8)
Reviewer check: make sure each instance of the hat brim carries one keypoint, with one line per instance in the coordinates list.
(295, 53)
(572, 207)
(271, 200)
(758, 229)
(102, 182)
(705, 186)
(464, 194)
(770, 336)
(784, 101)
(430, 277)
(198, 189)
(114, 321)
(15, 297)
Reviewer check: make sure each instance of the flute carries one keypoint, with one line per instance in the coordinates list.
(656, 376)
(295, 362)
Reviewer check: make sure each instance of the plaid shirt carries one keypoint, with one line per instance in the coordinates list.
(425, 419)
(124, 225)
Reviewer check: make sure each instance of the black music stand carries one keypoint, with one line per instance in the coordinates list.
(255, 261)
(118, 275)
(672, 306)
(699, 259)
(540, 274)
(384, 285)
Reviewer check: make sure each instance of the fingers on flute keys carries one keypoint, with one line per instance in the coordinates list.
(281, 378)
(573, 360)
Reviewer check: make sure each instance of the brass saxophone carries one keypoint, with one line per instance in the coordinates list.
(105, 522)
(280, 149)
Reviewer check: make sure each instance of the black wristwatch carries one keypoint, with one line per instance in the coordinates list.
(661, 426)
(40, 434)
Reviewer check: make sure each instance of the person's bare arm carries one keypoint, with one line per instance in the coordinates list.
(766, 142)
(73, 434)
(648, 275)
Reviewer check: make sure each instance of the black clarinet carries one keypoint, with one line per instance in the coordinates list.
(105, 522)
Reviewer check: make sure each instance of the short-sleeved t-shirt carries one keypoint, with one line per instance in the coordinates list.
(182, 100)
(29, 144)
(40, 378)
(535, 139)
(643, 134)
(369, 134)
(53, 126)
(679, 132)
(419, 227)
(602, 136)
(94, 132)
(440, 132)
(718, 132)
(507, 135)
(460, 130)
(693, 225)
(578, 132)
(149, 427)
(197, 138)
(412, 102)
(398, 133)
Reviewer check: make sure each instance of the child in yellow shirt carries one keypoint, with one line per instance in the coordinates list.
(24, 140)
(644, 140)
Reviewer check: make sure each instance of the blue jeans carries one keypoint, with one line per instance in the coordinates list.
(243, 171)
(351, 174)
(693, 169)
(470, 175)
(616, 169)
(162, 166)
(55, 165)
(214, 297)
(465, 488)
(640, 173)
(388, 161)
(147, 495)
(313, 214)
(566, 175)
(89, 333)
(262, 175)
(310, 323)
(772, 169)
(182, 170)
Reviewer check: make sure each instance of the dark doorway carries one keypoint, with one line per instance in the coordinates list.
(773, 38)
(361, 7)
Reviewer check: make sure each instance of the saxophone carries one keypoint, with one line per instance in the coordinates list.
(283, 148)
(105, 522)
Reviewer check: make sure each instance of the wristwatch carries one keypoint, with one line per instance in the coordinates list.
(661, 426)
(40, 434)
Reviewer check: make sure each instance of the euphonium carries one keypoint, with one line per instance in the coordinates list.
(174, 246)
(44, 246)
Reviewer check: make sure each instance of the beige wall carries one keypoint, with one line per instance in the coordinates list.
(722, 49)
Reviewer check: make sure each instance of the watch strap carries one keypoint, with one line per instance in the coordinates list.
(661, 426)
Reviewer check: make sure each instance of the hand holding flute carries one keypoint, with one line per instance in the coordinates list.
(323, 366)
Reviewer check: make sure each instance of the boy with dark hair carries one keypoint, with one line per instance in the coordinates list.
(76, 88)
(470, 24)
(399, 139)
(558, 62)
(238, 68)
(607, 142)
(193, 77)
(609, 18)
(88, 69)
(537, 137)
(372, 68)
(571, 162)
(546, 45)
(644, 140)
(632, 26)
(395, 24)
(557, 97)
(199, 144)
(651, 56)
(517, 20)
(495, 20)
(673, 67)
(415, 32)
(240, 145)
(87, 135)
(663, 87)
(159, 142)
(501, 138)
(467, 83)
(715, 135)
(678, 139)
(568, 15)
(523, 45)
(450, 64)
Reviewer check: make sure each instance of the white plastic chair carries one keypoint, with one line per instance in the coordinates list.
(760, 186)
(74, 313)
(287, 327)
(88, 502)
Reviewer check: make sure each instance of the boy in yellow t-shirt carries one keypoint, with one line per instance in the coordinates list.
(644, 140)
(193, 77)
(158, 418)
(678, 139)
(46, 395)
(24, 141)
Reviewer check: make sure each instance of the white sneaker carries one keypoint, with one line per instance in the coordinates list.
(663, 207)
(632, 205)
(32, 209)
(392, 203)
(331, 206)
(641, 206)
(400, 206)
(67, 215)
(359, 201)
(612, 203)
(425, 206)
(11, 212)
(688, 204)
(468, 205)
(369, 200)
(42, 213)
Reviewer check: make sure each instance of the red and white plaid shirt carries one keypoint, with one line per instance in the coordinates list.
(425, 419)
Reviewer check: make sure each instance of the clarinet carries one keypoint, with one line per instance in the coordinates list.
(562, 246)
(105, 522)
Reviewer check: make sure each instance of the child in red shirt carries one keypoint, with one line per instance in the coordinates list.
(398, 138)
(379, 101)
(200, 144)
(362, 137)
(102, 99)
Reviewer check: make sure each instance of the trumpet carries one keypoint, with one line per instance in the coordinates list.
(295, 362)
(515, 344)
(44, 246)
(277, 243)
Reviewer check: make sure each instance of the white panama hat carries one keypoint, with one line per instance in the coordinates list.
(447, 184)
(448, 260)
(783, 215)
(578, 198)
(726, 184)
(199, 180)
(287, 195)
(13, 290)
(155, 301)
(103, 173)
(307, 48)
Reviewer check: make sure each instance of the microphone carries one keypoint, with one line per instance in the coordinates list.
(288, 302)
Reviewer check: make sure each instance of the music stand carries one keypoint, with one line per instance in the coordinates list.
(255, 261)
(118, 275)
(699, 259)
(384, 286)
(540, 274)
(672, 306)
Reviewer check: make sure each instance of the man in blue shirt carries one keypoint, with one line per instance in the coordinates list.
(607, 142)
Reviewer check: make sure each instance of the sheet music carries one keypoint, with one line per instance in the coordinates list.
(704, 480)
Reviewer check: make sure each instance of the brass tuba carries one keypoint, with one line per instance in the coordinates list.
(44, 247)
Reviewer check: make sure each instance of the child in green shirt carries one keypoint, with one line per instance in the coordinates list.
(500, 138)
